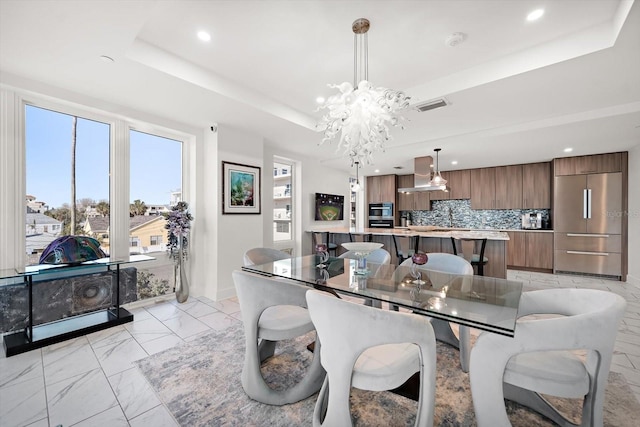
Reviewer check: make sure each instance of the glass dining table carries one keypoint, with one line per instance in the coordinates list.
(481, 302)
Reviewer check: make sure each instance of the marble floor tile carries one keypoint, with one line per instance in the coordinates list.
(161, 344)
(156, 417)
(119, 356)
(112, 417)
(140, 313)
(225, 306)
(147, 330)
(164, 311)
(219, 320)
(108, 336)
(21, 367)
(199, 309)
(77, 398)
(185, 325)
(133, 392)
(40, 423)
(23, 403)
(68, 359)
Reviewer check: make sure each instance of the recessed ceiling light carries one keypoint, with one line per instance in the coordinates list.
(106, 58)
(377, 171)
(204, 36)
(454, 162)
(568, 150)
(320, 99)
(535, 15)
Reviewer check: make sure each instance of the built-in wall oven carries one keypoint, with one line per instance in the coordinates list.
(381, 215)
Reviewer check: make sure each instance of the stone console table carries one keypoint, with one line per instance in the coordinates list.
(433, 239)
(106, 315)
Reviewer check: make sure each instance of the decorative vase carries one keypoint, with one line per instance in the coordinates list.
(180, 276)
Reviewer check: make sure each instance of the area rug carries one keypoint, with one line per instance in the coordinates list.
(199, 382)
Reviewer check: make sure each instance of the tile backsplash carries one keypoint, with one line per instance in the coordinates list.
(458, 214)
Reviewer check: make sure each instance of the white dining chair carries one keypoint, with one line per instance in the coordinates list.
(450, 264)
(540, 359)
(370, 349)
(257, 256)
(274, 310)
(378, 256)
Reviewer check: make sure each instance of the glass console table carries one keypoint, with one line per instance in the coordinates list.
(37, 336)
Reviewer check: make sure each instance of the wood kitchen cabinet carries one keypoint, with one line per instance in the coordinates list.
(530, 250)
(459, 183)
(508, 187)
(416, 201)
(381, 189)
(483, 188)
(536, 185)
(596, 163)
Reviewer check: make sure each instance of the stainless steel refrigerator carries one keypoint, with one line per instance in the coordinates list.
(588, 223)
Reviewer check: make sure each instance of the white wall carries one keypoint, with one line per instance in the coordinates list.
(634, 215)
(310, 177)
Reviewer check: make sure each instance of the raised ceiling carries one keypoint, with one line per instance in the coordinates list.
(518, 91)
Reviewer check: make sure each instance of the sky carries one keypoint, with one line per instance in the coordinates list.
(155, 161)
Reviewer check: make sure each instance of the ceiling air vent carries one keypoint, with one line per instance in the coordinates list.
(431, 105)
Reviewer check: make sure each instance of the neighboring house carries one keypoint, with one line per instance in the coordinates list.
(35, 206)
(40, 231)
(146, 233)
(157, 209)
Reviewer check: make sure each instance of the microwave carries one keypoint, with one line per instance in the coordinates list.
(381, 211)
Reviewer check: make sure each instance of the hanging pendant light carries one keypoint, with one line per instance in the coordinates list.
(437, 179)
(361, 113)
(355, 187)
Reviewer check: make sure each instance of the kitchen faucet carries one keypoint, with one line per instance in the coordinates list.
(450, 218)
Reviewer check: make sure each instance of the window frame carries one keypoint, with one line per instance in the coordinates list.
(13, 153)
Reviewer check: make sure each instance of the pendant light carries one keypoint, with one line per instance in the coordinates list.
(437, 178)
(355, 187)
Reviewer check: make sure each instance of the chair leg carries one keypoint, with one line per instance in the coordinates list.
(266, 349)
(444, 333)
(257, 389)
(536, 402)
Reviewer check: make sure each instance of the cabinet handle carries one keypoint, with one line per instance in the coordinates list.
(587, 235)
(588, 253)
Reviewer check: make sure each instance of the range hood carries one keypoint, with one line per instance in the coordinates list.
(422, 177)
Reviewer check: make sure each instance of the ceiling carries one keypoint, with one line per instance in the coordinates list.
(518, 91)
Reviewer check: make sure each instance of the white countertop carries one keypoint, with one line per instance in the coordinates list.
(440, 232)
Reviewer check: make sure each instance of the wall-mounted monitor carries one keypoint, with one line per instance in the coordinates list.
(329, 207)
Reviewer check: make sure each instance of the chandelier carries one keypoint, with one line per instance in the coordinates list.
(361, 113)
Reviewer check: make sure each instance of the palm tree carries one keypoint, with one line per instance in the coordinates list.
(137, 208)
(74, 125)
(103, 208)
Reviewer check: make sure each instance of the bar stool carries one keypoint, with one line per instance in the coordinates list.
(405, 247)
(324, 237)
(365, 237)
(468, 247)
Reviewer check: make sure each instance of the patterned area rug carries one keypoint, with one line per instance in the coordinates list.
(200, 384)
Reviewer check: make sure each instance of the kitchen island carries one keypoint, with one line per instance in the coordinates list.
(429, 239)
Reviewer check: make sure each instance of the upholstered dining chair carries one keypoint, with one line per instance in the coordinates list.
(450, 264)
(380, 351)
(377, 256)
(273, 310)
(540, 358)
(257, 256)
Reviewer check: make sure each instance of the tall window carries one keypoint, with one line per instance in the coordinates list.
(282, 213)
(155, 185)
(67, 176)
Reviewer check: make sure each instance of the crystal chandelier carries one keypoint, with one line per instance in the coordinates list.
(361, 113)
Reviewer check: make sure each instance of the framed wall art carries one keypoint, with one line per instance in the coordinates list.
(240, 189)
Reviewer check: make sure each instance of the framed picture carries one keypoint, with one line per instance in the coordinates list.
(240, 189)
